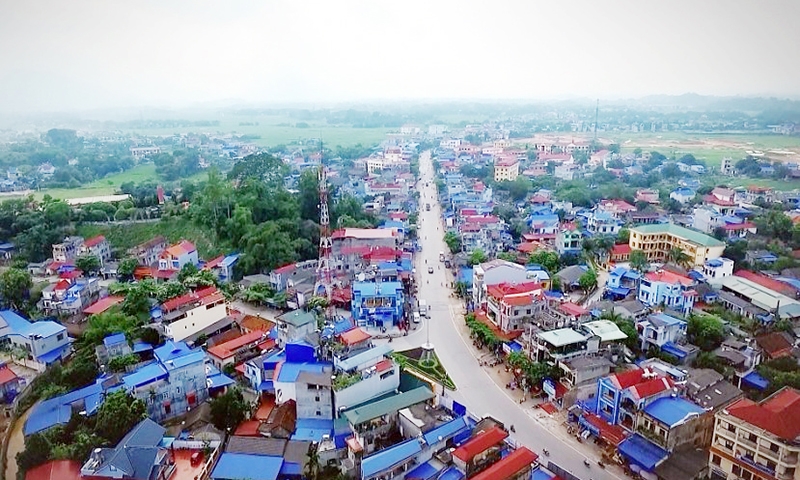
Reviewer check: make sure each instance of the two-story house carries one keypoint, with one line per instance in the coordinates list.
(674, 422)
(175, 257)
(620, 396)
(295, 325)
(663, 332)
(67, 250)
(669, 289)
(140, 455)
(69, 297)
(601, 222)
(189, 315)
(569, 239)
(41, 343)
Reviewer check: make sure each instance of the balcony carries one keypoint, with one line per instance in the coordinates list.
(750, 461)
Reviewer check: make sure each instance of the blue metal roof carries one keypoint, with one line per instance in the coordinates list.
(58, 410)
(674, 350)
(114, 339)
(451, 473)
(266, 386)
(291, 469)
(171, 350)
(219, 380)
(667, 319)
(445, 431)
(514, 346)
(54, 354)
(621, 291)
(312, 429)
(370, 289)
(290, 371)
(673, 411)
(22, 326)
(389, 457)
(755, 380)
(424, 471)
(140, 347)
(540, 474)
(642, 452)
(234, 466)
(146, 374)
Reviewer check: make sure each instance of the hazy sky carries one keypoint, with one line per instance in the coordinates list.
(57, 55)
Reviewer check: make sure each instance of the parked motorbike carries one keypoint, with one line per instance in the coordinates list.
(601, 464)
(586, 462)
(546, 452)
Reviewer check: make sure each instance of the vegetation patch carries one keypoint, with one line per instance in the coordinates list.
(419, 361)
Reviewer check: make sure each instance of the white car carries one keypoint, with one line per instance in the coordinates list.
(416, 317)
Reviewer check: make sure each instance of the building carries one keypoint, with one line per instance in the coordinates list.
(726, 167)
(673, 422)
(204, 311)
(616, 208)
(149, 252)
(67, 250)
(378, 303)
(38, 344)
(752, 299)
(495, 272)
(603, 223)
(483, 448)
(683, 195)
(659, 329)
(238, 350)
(717, 269)
(757, 440)
(69, 297)
(98, 247)
(563, 344)
(669, 289)
(140, 455)
(506, 170)
(657, 240)
(511, 305)
(294, 326)
(363, 375)
(649, 195)
(143, 152)
(569, 239)
(9, 384)
(175, 257)
(113, 346)
(620, 396)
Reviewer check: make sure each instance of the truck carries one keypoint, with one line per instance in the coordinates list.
(428, 207)
(423, 308)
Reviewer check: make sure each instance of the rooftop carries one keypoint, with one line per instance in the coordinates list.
(229, 348)
(673, 411)
(680, 232)
(607, 330)
(391, 404)
(389, 457)
(234, 466)
(480, 443)
(517, 461)
(778, 414)
(561, 337)
(297, 318)
(668, 277)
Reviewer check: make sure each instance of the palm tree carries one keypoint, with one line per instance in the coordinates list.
(603, 246)
(677, 256)
(588, 248)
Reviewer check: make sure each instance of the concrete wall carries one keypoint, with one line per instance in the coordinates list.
(196, 320)
(368, 388)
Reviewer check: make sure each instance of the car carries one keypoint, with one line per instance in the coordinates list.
(430, 269)
(416, 317)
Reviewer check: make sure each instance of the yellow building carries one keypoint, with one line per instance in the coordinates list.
(658, 239)
(506, 169)
(758, 441)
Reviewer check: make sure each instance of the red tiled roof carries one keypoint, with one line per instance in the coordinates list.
(286, 268)
(778, 414)
(517, 461)
(613, 434)
(248, 428)
(180, 248)
(342, 295)
(56, 470)
(505, 336)
(621, 205)
(383, 365)
(738, 226)
(266, 345)
(353, 336)
(668, 277)
(253, 322)
(102, 305)
(6, 374)
(775, 345)
(572, 309)
(190, 297)
(229, 348)
(765, 281)
(94, 241)
(481, 220)
(621, 249)
(628, 378)
(213, 263)
(502, 289)
(717, 201)
(480, 443)
(652, 387)
(62, 285)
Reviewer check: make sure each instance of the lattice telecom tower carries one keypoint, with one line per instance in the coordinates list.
(324, 285)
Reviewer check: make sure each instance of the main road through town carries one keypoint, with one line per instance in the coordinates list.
(475, 387)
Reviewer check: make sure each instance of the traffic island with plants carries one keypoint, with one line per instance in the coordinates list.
(425, 362)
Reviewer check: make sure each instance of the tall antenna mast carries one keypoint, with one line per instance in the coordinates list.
(596, 114)
(324, 285)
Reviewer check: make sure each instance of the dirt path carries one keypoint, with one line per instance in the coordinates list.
(16, 444)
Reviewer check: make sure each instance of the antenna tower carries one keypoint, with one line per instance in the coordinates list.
(324, 277)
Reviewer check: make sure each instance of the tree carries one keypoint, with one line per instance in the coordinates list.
(638, 261)
(677, 256)
(229, 410)
(477, 257)
(187, 271)
(15, 285)
(588, 280)
(453, 242)
(312, 470)
(623, 236)
(705, 331)
(548, 260)
(507, 256)
(88, 263)
(266, 247)
(126, 268)
(119, 413)
(37, 451)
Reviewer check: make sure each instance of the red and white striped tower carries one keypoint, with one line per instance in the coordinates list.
(324, 285)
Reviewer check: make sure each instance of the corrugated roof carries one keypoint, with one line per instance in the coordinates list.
(394, 403)
(561, 337)
(673, 411)
(445, 431)
(235, 466)
(102, 305)
(778, 414)
(680, 232)
(517, 461)
(389, 457)
(480, 443)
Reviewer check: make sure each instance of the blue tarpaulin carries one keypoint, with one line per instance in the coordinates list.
(620, 291)
(425, 471)
(753, 379)
(642, 452)
(514, 346)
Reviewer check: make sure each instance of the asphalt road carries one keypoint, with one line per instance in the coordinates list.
(475, 388)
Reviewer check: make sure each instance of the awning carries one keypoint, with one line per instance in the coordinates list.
(642, 452)
(613, 434)
(514, 347)
(755, 380)
(621, 291)
(266, 386)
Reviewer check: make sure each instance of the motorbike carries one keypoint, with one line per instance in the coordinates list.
(586, 462)
(513, 429)
(546, 452)
(601, 465)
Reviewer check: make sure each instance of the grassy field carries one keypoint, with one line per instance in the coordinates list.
(104, 186)
(123, 237)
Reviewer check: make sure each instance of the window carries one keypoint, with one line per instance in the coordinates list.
(752, 437)
(316, 399)
(716, 460)
(318, 413)
(774, 447)
(731, 428)
(60, 337)
(736, 470)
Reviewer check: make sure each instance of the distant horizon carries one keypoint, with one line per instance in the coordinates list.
(92, 54)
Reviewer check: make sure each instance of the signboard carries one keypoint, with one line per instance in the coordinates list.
(549, 388)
